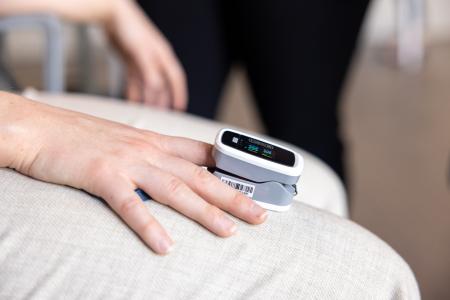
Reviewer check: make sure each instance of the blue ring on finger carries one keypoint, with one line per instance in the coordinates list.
(143, 195)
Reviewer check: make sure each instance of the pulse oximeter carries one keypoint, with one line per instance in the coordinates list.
(262, 170)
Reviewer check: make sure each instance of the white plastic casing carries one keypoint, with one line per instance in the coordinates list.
(273, 207)
(296, 170)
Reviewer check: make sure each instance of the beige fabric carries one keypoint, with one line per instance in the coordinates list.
(319, 186)
(60, 243)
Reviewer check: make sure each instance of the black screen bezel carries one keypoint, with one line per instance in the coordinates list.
(280, 155)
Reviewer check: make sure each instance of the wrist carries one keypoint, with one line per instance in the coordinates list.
(17, 148)
(117, 10)
(126, 24)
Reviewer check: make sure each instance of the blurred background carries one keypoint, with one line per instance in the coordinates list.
(395, 120)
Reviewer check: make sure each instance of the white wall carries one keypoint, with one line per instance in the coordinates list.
(380, 24)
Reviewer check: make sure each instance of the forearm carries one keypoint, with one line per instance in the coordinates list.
(89, 11)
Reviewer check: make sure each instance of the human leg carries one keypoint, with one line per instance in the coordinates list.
(195, 31)
(297, 54)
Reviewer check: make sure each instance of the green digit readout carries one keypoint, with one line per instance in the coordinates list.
(253, 148)
(267, 153)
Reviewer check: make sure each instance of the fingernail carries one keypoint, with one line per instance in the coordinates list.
(258, 212)
(228, 225)
(165, 246)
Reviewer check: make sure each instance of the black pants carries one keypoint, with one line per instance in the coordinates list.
(296, 54)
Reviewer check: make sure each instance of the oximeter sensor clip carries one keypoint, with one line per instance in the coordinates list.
(262, 170)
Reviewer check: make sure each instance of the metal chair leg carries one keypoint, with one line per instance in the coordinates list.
(6, 77)
(53, 72)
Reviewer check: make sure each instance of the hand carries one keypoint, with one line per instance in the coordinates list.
(111, 160)
(155, 76)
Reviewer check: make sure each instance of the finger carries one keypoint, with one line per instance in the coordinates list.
(164, 98)
(197, 152)
(176, 79)
(171, 191)
(134, 91)
(210, 188)
(120, 196)
(134, 86)
(150, 79)
(154, 86)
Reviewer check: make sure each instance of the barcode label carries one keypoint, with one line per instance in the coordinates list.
(246, 189)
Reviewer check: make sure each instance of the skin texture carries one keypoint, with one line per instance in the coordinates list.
(155, 76)
(111, 160)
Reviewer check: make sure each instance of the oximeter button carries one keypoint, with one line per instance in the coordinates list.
(292, 189)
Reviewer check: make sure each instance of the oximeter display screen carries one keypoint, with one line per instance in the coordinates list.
(258, 148)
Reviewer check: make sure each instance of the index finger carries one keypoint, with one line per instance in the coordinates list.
(197, 152)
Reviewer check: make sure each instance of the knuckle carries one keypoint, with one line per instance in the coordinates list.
(128, 206)
(130, 143)
(153, 136)
(155, 83)
(237, 200)
(202, 177)
(99, 168)
(138, 145)
(212, 214)
(152, 139)
(98, 173)
(167, 47)
(163, 143)
(175, 186)
(166, 51)
(179, 74)
(149, 226)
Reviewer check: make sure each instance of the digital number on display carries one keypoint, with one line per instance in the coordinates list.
(258, 148)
